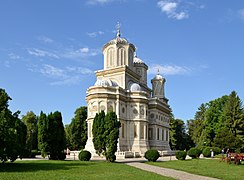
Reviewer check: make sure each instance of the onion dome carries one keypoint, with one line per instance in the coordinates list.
(117, 40)
(135, 87)
(158, 76)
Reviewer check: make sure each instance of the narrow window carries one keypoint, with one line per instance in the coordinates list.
(150, 133)
(135, 131)
(123, 130)
(158, 134)
(162, 134)
(142, 132)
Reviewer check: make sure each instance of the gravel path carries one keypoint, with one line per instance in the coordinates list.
(168, 172)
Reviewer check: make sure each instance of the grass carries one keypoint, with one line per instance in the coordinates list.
(206, 167)
(47, 169)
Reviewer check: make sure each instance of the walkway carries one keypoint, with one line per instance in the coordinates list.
(168, 172)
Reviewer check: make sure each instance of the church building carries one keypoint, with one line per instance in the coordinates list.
(121, 86)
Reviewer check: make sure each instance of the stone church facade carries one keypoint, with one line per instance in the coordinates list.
(122, 87)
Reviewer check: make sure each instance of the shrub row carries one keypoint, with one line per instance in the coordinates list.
(195, 152)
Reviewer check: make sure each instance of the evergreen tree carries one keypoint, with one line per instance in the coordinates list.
(111, 134)
(105, 131)
(179, 139)
(51, 135)
(98, 129)
(77, 130)
(42, 134)
(233, 112)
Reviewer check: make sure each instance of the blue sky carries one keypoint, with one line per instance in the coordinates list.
(49, 50)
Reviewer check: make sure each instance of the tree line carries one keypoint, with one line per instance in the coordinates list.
(32, 134)
(46, 134)
(217, 123)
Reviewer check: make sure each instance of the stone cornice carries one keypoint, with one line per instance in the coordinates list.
(120, 69)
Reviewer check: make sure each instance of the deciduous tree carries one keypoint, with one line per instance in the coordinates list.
(12, 131)
(30, 120)
(77, 130)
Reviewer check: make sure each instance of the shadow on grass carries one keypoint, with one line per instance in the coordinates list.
(32, 166)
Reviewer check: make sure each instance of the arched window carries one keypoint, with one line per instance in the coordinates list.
(110, 57)
(121, 58)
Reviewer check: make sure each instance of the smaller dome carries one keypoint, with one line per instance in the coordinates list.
(158, 76)
(137, 60)
(105, 82)
(135, 87)
(101, 82)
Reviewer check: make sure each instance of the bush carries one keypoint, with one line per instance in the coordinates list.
(201, 148)
(152, 155)
(84, 155)
(180, 155)
(216, 150)
(194, 153)
(207, 152)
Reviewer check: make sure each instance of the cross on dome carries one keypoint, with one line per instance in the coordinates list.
(118, 29)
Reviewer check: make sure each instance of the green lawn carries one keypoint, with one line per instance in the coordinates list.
(206, 167)
(45, 169)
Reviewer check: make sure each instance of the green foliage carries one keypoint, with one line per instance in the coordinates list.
(30, 121)
(12, 131)
(51, 137)
(180, 155)
(216, 150)
(207, 151)
(194, 153)
(226, 139)
(152, 155)
(42, 134)
(84, 155)
(98, 129)
(111, 134)
(76, 132)
(219, 122)
(179, 139)
(105, 131)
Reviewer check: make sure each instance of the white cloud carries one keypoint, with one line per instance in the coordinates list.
(41, 53)
(13, 56)
(241, 14)
(79, 70)
(53, 72)
(45, 39)
(170, 8)
(62, 76)
(181, 15)
(167, 7)
(168, 69)
(95, 34)
(84, 50)
(80, 53)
